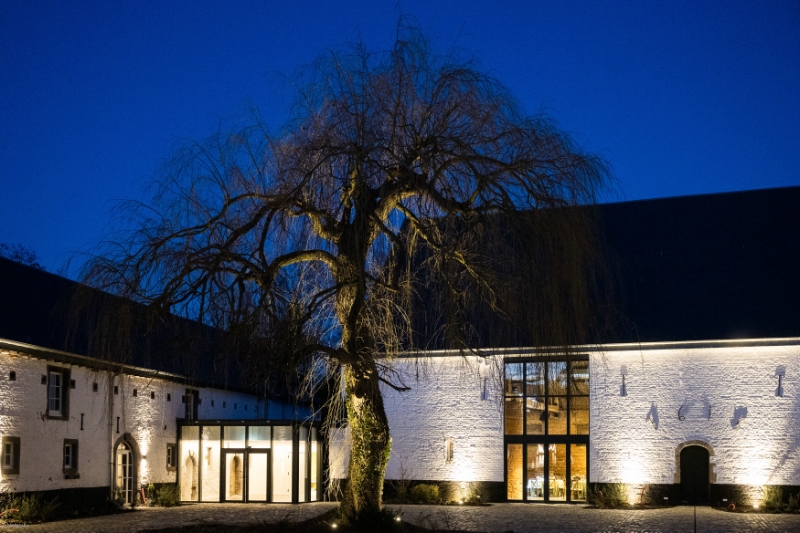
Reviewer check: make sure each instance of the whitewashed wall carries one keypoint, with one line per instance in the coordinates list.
(634, 438)
(445, 401)
(151, 422)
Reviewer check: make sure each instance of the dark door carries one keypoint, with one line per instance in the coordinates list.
(694, 475)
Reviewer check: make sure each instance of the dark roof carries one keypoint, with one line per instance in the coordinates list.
(39, 308)
(695, 268)
(706, 267)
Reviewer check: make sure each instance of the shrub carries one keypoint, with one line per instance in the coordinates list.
(608, 495)
(772, 498)
(29, 508)
(425, 493)
(169, 495)
(794, 502)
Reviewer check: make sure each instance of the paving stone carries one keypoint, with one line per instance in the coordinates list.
(503, 517)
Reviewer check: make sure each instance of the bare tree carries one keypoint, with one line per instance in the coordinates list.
(20, 254)
(319, 226)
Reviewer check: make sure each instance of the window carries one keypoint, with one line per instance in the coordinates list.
(57, 392)
(9, 461)
(70, 468)
(169, 397)
(12, 376)
(152, 395)
(94, 387)
(191, 400)
(172, 457)
(135, 392)
(116, 389)
(546, 418)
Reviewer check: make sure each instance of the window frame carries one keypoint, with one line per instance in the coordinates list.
(11, 468)
(62, 413)
(172, 457)
(70, 469)
(547, 438)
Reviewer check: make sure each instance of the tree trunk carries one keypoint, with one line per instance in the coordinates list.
(371, 446)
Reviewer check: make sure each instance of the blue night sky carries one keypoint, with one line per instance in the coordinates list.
(681, 97)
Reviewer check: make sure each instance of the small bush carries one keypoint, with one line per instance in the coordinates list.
(772, 498)
(169, 495)
(609, 495)
(794, 502)
(425, 493)
(29, 508)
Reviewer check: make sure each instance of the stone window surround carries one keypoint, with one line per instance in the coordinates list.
(65, 388)
(71, 471)
(13, 468)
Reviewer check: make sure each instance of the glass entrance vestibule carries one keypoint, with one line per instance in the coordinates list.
(225, 461)
(546, 418)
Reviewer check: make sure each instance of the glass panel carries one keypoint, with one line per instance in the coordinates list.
(578, 472)
(534, 477)
(514, 462)
(189, 462)
(513, 416)
(513, 384)
(557, 415)
(314, 496)
(534, 379)
(282, 464)
(558, 472)
(534, 416)
(557, 378)
(579, 377)
(210, 472)
(259, 436)
(234, 437)
(579, 415)
(257, 477)
(302, 465)
(234, 476)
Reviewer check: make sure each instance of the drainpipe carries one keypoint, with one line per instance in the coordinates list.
(112, 459)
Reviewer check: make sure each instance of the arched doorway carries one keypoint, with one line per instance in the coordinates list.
(694, 465)
(189, 479)
(125, 473)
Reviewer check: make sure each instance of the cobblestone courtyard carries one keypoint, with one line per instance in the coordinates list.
(497, 518)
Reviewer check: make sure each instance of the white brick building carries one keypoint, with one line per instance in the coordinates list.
(695, 396)
(83, 428)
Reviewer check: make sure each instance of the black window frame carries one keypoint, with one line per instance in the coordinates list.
(546, 439)
(13, 468)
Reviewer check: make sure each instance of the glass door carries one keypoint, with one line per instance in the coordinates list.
(125, 473)
(257, 475)
(233, 476)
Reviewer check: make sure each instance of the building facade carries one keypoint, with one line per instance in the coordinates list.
(693, 397)
(89, 430)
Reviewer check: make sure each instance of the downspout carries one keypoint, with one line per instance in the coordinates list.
(112, 459)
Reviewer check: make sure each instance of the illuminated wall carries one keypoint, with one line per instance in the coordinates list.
(728, 399)
(727, 395)
(450, 398)
(148, 417)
